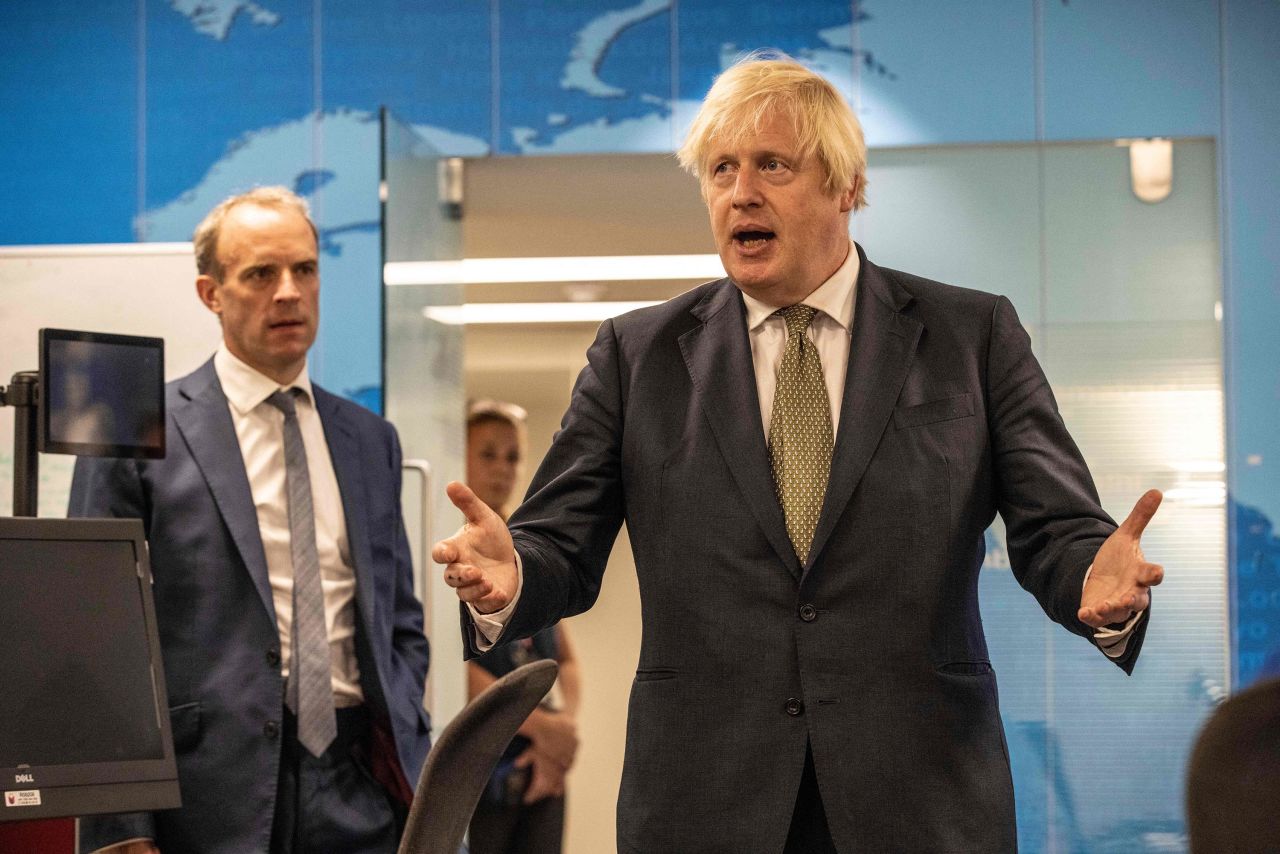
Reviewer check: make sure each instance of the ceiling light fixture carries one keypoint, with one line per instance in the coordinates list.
(474, 313)
(1150, 168)
(590, 268)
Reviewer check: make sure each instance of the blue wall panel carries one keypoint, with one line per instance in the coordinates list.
(946, 72)
(434, 70)
(579, 77)
(1131, 68)
(212, 87)
(1251, 128)
(68, 109)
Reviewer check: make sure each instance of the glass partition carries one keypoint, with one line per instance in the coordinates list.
(1122, 300)
(423, 385)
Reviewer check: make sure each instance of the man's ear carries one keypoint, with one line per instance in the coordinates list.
(207, 290)
(849, 197)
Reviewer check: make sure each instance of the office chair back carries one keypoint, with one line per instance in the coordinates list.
(464, 756)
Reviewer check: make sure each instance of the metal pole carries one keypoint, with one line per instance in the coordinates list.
(22, 395)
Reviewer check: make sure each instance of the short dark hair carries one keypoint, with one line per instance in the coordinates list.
(1233, 777)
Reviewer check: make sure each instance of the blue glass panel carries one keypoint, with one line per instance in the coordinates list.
(1112, 256)
(965, 216)
(1127, 336)
(1133, 349)
(347, 356)
(1137, 68)
(1251, 128)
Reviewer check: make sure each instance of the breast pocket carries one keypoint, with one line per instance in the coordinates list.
(933, 411)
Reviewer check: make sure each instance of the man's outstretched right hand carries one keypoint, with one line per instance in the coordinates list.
(480, 561)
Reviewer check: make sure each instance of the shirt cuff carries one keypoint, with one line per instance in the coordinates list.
(1113, 642)
(486, 628)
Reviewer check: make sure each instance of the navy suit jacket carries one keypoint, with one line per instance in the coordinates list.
(871, 652)
(217, 621)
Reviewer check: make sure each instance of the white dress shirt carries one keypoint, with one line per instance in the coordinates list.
(831, 332)
(260, 430)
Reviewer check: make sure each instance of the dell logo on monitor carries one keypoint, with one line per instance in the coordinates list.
(24, 778)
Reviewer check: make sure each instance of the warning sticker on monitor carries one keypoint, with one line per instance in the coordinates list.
(23, 798)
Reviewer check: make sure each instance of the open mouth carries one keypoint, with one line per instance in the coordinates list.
(751, 239)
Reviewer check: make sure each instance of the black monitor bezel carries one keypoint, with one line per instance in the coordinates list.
(48, 445)
(100, 787)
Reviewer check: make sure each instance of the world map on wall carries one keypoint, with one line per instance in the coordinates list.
(587, 82)
(298, 87)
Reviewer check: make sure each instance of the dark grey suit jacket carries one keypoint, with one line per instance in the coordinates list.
(872, 652)
(217, 620)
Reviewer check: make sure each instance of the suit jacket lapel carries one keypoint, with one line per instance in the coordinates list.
(346, 454)
(718, 357)
(881, 349)
(206, 427)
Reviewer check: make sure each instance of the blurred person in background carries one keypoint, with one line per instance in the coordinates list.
(522, 809)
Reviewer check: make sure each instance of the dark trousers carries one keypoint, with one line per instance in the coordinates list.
(331, 803)
(534, 828)
(809, 833)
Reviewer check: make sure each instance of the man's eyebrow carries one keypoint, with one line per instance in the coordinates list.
(778, 153)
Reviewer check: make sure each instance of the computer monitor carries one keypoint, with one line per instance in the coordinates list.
(84, 715)
(101, 395)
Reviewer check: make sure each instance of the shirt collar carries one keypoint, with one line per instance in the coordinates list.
(834, 297)
(246, 387)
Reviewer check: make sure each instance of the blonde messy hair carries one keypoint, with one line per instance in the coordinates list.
(764, 84)
(205, 239)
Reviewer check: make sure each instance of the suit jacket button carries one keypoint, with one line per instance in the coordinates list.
(273, 657)
(794, 707)
(808, 613)
(271, 729)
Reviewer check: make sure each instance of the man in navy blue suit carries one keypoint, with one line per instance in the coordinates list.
(807, 454)
(278, 548)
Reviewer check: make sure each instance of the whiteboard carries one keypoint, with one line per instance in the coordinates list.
(129, 289)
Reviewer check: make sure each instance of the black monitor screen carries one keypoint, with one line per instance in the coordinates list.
(83, 705)
(101, 394)
(72, 706)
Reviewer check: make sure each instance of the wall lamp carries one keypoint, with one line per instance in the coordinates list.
(1150, 167)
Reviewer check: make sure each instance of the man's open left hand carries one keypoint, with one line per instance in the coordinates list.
(1121, 580)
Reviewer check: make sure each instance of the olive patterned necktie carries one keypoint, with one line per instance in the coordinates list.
(800, 431)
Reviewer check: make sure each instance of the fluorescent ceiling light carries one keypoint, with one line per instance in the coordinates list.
(1208, 494)
(592, 268)
(1199, 466)
(94, 250)
(530, 312)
